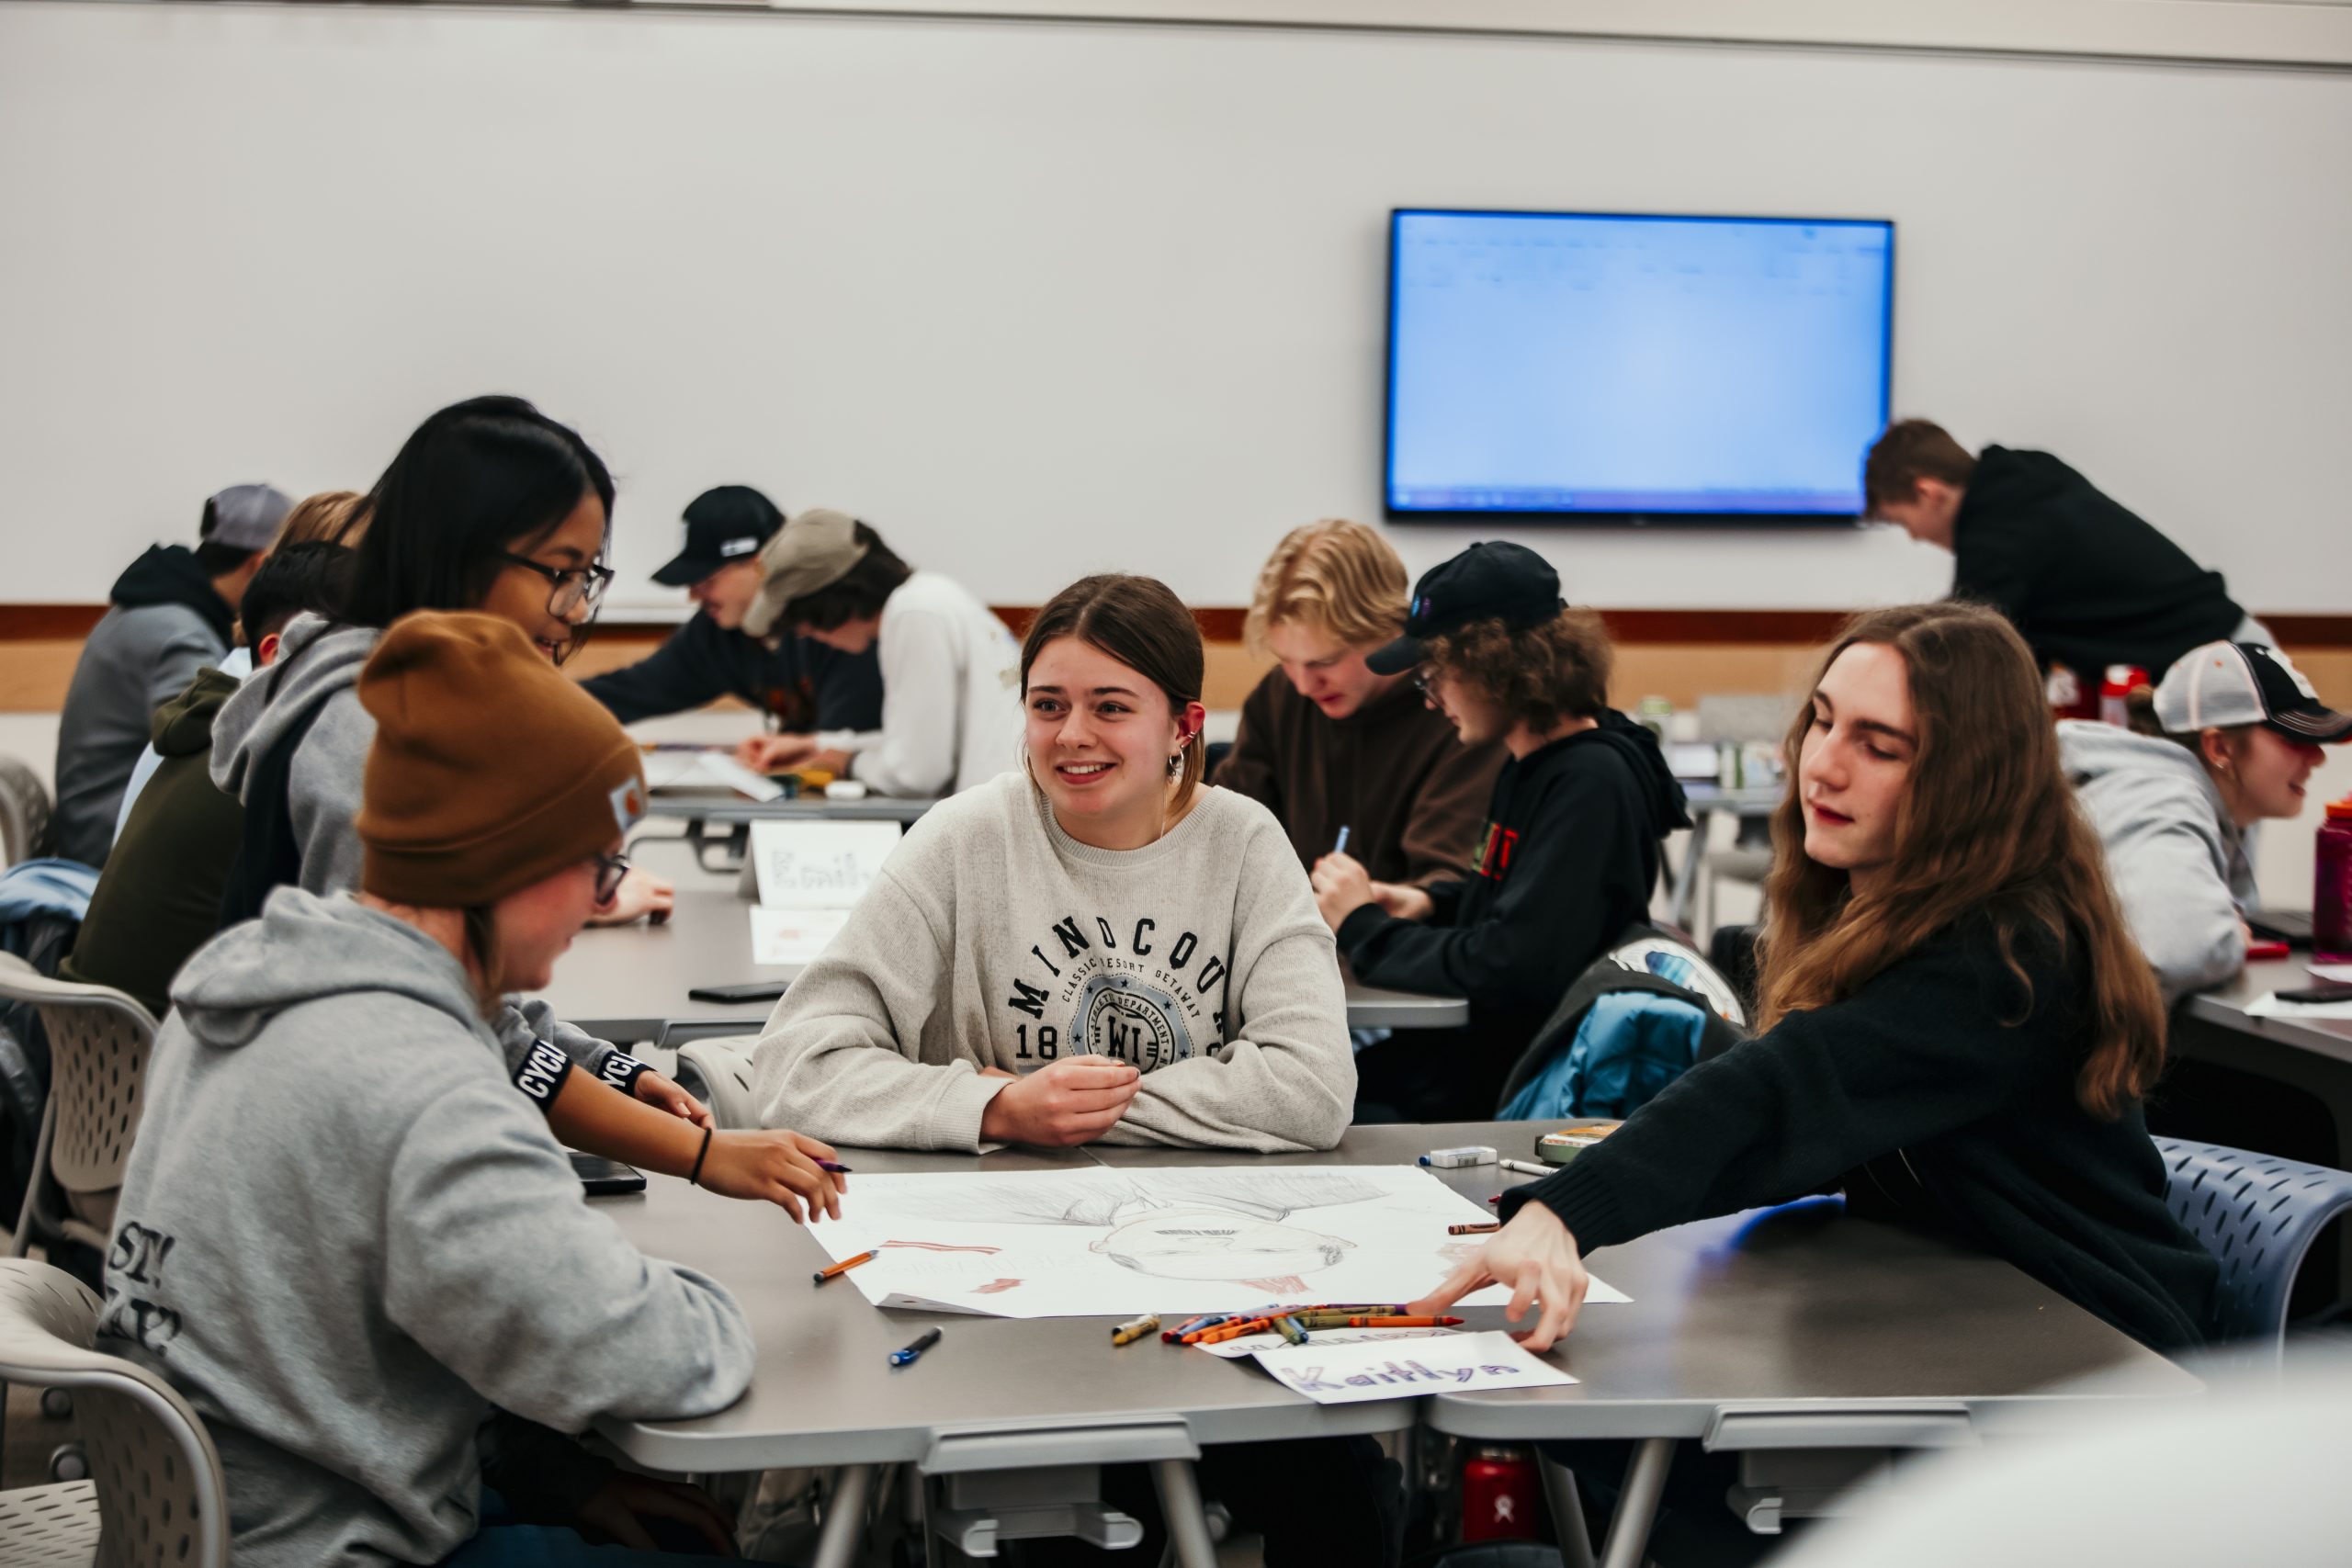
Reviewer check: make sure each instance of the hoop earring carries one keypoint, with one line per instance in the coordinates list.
(1176, 766)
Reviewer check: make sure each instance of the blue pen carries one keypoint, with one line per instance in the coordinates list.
(906, 1357)
(1340, 848)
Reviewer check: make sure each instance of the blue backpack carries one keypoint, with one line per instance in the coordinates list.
(1639, 1017)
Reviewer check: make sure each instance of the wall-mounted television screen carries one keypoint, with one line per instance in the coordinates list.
(1620, 366)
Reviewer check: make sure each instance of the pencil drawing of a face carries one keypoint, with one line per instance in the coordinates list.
(1196, 1242)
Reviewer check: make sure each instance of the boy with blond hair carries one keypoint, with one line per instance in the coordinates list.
(1326, 744)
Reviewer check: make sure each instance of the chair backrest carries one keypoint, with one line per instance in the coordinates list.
(161, 1497)
(99, 1043)
(2258, 1215)
(724, 1064)
(24, 812)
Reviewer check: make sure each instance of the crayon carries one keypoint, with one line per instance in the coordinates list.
(834, 1165)
(1341, 847)
(1206, 1320)
(929, 1338)
(1134, 1328)
(1226, 1331)
(1292, 1332)
(843, 1266)
(1402, 1321)
(1474, 1229)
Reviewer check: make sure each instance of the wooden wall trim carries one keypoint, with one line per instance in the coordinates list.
(1222, 622)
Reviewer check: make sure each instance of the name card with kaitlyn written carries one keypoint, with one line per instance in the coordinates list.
(1454, 1363)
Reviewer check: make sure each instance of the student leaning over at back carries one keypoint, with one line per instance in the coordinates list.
(798, 686)
(341, 1234)
(951, 714)
(159, 897)
(1092, 947)
(1571, 850)
(172, 614)
(2086, 581)
(2229, 737)
(1327, 745)
(489, 505)
(1957, 1028)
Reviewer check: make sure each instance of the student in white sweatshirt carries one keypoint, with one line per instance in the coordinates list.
(950, 704)
(1100, 947)
(1096, 946)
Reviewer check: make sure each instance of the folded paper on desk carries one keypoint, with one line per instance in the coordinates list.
(2273, 1006)
(706, 770)
(1250, 1344)
(1459, 1364)
(819, 864)
(1108, 1243)
(793, 936)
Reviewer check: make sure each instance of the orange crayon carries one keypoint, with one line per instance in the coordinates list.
(1403, 1322)
(843, 1266)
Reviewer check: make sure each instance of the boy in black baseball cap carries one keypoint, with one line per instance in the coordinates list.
(800, 685)
(1572, 847)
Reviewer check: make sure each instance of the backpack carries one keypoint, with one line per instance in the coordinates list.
(1638, 1017)
(270, 857)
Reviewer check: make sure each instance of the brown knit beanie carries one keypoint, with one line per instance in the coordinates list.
(490, 771)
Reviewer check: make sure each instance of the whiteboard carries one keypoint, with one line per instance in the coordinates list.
(1041, 299)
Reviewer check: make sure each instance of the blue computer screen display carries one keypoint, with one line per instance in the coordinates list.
(1604, 363)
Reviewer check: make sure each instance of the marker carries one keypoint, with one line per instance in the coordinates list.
(836, 1166)
(843, 1266)
(1340, 846)
(1526, 1166)
(1134, 1328)
(906, 1357)
(1474, 1229)
(1291, 1331)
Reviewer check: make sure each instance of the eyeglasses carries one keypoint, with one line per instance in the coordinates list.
(1422, 676)
(610, 870)
(570, 588)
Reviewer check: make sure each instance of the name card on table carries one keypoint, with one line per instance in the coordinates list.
(1458, 1363)
(819, 865)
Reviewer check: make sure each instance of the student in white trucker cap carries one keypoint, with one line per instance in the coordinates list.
(2227, 738)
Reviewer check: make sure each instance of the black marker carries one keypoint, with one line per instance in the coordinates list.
(930, 1337)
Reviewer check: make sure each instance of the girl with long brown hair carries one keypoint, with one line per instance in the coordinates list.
(1956, 1026)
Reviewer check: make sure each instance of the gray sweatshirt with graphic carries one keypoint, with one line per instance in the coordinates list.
(993, 939)
(2177, 862)
(346, 1239)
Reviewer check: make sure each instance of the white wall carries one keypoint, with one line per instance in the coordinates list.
(1038, 299)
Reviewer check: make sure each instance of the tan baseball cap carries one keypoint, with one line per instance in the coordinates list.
(814, 549)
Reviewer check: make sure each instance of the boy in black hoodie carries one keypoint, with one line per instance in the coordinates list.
(2085, 582)
(1571, 850)
(174, 612)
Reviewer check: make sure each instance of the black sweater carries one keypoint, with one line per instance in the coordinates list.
(802, 685)
(1568, 862)
(2085, 582)
(1936, 1095)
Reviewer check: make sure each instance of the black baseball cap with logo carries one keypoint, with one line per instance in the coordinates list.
(2224, 684)
(1487, 581)
(723, 526)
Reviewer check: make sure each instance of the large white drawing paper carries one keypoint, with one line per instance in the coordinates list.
(817, 865)
(1096, 1242)
(1459, 1364)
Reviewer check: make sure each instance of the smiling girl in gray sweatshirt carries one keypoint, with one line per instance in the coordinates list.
(1095, 947)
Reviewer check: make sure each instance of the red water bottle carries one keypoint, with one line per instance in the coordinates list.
(1498, 1494)
(2115, 694)
(2331, 887)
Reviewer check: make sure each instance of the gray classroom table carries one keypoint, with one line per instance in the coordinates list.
(1793, 1327)
(628, 984)
(1704, 801)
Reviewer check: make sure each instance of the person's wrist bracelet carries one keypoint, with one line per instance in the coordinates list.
(693, 1177)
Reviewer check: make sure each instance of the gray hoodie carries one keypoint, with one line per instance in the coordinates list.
(2177, 862)
(318, 669)
(346, 1239)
